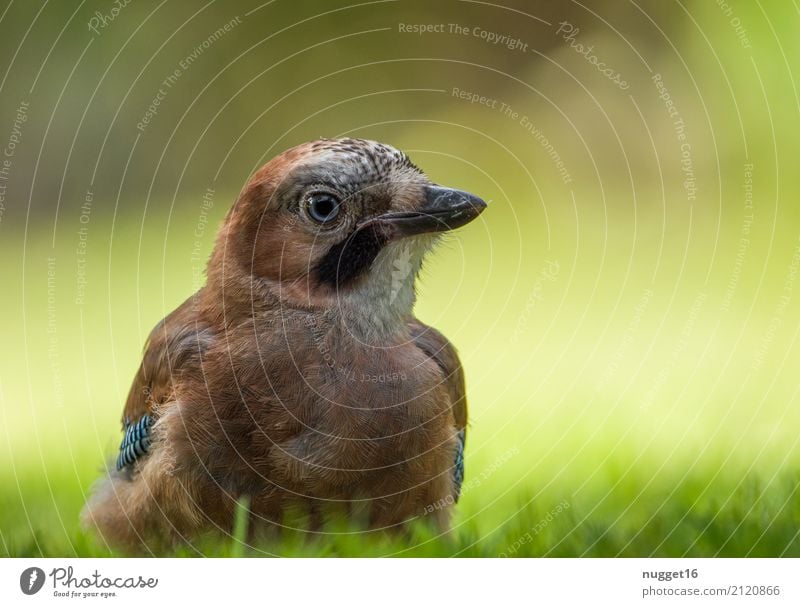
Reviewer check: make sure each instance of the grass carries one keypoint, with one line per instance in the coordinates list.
(634, 515)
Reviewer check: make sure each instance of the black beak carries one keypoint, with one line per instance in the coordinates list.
(443, 209)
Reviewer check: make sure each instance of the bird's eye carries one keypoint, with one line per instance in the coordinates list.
(322, 207)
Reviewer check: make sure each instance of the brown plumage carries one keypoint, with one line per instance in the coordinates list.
(298, 375)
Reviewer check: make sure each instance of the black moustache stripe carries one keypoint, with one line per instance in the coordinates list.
(349, 259)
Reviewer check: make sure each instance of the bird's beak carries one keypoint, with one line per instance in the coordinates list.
(442, 209)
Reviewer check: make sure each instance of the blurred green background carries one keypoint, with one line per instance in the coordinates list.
(627, 310)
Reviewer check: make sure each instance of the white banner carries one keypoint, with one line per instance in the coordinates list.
(401, 582)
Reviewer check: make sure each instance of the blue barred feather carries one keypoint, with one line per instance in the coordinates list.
(136, 441)
(458, 466)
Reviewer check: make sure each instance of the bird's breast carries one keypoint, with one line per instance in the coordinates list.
(325, 415)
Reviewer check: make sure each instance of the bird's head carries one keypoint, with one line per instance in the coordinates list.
(342, 222)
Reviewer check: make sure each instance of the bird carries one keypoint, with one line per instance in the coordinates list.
(297, 377)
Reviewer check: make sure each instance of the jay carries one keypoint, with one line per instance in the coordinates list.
(298, 376)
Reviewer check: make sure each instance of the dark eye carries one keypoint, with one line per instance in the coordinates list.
(322, 206)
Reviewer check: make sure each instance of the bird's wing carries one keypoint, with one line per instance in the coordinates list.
(171, 344)
(437, 347)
